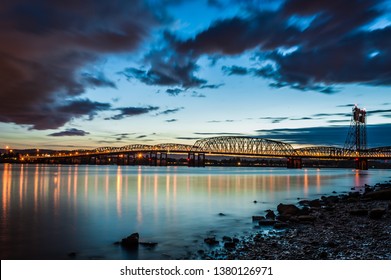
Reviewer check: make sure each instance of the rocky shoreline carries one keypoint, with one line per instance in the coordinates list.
(353, 226)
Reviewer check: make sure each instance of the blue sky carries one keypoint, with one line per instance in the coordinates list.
(112, 73)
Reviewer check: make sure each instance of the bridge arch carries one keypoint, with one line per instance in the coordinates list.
(240, 145)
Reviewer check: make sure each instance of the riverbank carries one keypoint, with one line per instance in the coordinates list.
(347, 226)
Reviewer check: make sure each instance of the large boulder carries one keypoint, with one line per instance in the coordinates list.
(270, 215)
(379, 195)
(211, 241)
(288, 209)
(131, 242)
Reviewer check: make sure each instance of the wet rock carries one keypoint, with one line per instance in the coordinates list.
(270, 215)
(258, 218)
(287, 209)
(306, 218)
(227, 239)
(149, 245)
(304, 211)
(314, 203)
(283, 218)
(281, 225)
(221, 214)
(235, 240)
(379, 195)
(131, 242)
(331, 244)
(377, 213)
(358, 212)
(266, 222)
(255, 201)
(211, 241)
(323, 255)
(229, 245)
(330, 199)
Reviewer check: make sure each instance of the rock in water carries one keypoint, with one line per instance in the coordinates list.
(379, 195)
(211, 241)
(270, 215)
(288, 209)
(131, 242)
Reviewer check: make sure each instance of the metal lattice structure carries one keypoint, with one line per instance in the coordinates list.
(379, 152)
(236, 145)
(356, 139)
(323, 152)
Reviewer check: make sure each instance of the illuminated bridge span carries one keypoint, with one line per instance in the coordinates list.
(246, 146)
(223, 146)
(354, 148)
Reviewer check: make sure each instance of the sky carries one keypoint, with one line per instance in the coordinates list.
(95, 73)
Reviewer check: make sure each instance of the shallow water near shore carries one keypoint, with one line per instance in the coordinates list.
(49, 211)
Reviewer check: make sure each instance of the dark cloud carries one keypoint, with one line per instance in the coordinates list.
(321, 115)
(274, 119)
(166, 70)
(211, 86)
(338, 121)
(303, 44)
(122, 136)
(51, 117)
(218, 133)
(171, 120)
(187, 138)
(223, 121)
(170, 111)
(347, 105)
(174, 91)
(70, 132)
(301, 119)
(373, 112)
(47, 48)
(132, 111)
(332, 135)
(235, 70)
(141, 136)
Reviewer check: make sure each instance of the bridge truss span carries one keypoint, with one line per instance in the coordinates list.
(379, 152)
(246, 146)
(324, 152)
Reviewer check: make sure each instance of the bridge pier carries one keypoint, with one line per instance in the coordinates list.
(158, 159)
(196, 159)
(294, 162)
(361, 163)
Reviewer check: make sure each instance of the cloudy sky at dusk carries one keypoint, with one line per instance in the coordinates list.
(86, 74)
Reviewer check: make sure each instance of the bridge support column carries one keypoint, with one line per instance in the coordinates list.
(361, 163)
(196, 159)
(163, 159)
(294, 163)
(153, 159)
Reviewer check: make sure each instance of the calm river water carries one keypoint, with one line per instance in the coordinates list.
(48, 211)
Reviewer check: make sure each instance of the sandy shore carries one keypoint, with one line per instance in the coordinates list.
(348, 226)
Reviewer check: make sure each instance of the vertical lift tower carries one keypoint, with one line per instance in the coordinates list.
(356, 141)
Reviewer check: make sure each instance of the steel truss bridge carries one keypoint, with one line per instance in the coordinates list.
(215, 146)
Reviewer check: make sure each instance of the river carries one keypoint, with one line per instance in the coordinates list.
(49, 211)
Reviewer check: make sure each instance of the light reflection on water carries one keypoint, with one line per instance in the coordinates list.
(50, 211)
